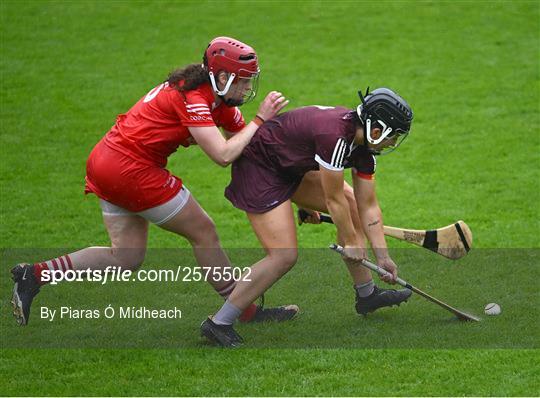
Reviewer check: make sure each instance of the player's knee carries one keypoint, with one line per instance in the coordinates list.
(284, 259)
(349, 195)
(129, 258)
(205, 234)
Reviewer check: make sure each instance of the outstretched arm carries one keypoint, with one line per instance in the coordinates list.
(372, 223)
(338, 207)
(224, 152)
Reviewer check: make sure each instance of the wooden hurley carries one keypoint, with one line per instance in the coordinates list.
(453, 241)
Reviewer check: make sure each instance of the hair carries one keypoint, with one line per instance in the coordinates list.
(352, 115)
(192, 76)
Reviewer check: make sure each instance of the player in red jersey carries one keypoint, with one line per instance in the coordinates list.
(126, 170)
(300, 156)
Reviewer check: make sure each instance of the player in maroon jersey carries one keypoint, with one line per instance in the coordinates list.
(126, 170)
(300, 156)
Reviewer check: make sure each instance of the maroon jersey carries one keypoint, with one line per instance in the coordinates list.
(304, 139)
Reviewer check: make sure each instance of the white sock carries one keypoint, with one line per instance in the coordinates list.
(365, 289)
(227, 314)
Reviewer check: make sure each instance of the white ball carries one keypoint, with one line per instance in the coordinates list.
(492, 309)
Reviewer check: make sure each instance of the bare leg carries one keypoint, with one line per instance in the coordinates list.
(128, 236)
(277, 233)
(310, 195)
(193, 223)
(128, 244)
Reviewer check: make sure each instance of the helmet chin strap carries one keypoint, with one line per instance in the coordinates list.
(230, 102)
(386, 130)
(227, 86)
(366, 139)
(369, 140)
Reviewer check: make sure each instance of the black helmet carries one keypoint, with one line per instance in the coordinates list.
(391, 113)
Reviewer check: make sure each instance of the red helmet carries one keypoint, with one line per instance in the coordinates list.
(238, 60)
(231, 56)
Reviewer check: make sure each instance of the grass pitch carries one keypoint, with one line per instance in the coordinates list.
(471, 73)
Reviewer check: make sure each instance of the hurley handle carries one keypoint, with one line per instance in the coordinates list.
(371, 266)
(302, 215)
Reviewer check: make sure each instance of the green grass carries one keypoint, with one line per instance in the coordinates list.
(279, 372)
(470, 70)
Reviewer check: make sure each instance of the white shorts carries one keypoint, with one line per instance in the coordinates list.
(157, 215)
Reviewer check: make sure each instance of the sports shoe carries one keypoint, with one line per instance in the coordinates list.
(257, 313)
(381, 298)
(222, 335)
(25, 289)
(275, 314)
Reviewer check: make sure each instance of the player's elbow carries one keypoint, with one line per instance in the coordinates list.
(226, 160)
(365, 209)
(226, 157)
(222, 160)
(368, 203)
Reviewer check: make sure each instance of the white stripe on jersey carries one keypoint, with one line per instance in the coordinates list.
(200, 112)
(327, 165)
(237, 115)
(339, 154)
(335, 151)
(194, 108)
(199, 109)
(341, 160)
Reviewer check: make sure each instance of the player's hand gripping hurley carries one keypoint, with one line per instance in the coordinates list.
(462, 316)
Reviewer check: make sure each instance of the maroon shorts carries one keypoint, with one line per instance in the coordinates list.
(255, 188)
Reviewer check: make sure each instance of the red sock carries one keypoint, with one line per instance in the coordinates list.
(62, 264)
(248, 314)
(226, 290)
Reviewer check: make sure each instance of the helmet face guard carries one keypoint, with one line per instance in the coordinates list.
(387, 110)
(241, 89)
(239, 61)
(248, 88)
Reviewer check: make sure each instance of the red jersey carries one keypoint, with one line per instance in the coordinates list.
(127, 167)
(158, 123)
